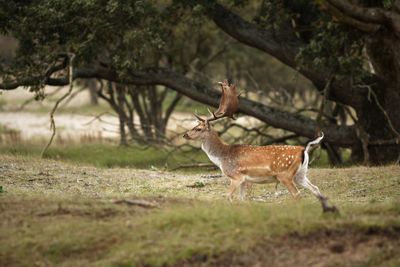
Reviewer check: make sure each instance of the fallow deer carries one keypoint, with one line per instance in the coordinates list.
(255, 164)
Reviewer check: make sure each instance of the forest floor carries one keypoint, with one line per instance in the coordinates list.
(56, 213)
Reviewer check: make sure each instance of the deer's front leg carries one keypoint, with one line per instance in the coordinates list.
(235, 183)
(242, 189)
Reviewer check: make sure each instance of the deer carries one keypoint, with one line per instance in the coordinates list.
(249, 164)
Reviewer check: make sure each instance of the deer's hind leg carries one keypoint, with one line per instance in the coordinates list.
(287, 180)
(303, 181)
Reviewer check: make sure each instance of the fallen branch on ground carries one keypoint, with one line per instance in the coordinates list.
(137, 202)
(195, 165)
(211, 176)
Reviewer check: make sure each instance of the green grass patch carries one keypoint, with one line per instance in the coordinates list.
(173, 233)
(109, 155)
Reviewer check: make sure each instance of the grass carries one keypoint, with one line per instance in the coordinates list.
(107, 155)
(63, 214)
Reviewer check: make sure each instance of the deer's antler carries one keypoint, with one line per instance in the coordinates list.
(228, 104)
(199, 118)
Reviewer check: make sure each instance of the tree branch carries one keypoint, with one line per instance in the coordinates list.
(368, 15)
(285, 46)
(340, 16)
(338, 135)
(171, 107)
(52, 122)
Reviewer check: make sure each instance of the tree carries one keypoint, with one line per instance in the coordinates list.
(336, 52)
(348, 50)
(147, 103)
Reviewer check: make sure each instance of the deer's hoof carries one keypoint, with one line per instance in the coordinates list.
(332, 209)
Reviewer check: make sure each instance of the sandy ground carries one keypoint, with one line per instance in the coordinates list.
(73, 125)
(33, 125)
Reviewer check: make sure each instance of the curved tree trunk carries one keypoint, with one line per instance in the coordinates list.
(379, 112)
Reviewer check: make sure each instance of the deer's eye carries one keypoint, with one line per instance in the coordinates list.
(198, 129)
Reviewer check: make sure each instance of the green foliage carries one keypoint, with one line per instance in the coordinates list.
(327, 44)
(273, 14)
(106, 31)
(388, 3)
(2, 190)
(337, 47)
(140, 34)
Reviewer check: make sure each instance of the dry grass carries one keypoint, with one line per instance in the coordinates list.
(63, 214)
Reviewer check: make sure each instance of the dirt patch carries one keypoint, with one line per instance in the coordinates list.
(319, 249)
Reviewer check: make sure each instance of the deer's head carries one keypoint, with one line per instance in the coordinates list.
(200, 132)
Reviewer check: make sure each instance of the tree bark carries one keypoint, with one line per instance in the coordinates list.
(121, 115)
(379, 112)
(92, 87)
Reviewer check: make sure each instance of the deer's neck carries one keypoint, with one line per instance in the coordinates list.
(215, 148)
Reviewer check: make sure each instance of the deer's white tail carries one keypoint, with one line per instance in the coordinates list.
(304, 165)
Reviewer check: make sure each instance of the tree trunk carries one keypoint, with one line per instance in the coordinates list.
(121, 114)
(382, 101)
(92, 86)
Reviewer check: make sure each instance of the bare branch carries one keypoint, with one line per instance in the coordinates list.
(194, 165)
(323, 103)
(30, 100)
(252, 129)
(52, 122)
(71, 97)
(137, 202)
(389, 121)
(172, 106)
(98, 118)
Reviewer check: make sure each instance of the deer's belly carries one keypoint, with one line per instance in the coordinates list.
(261, 180)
